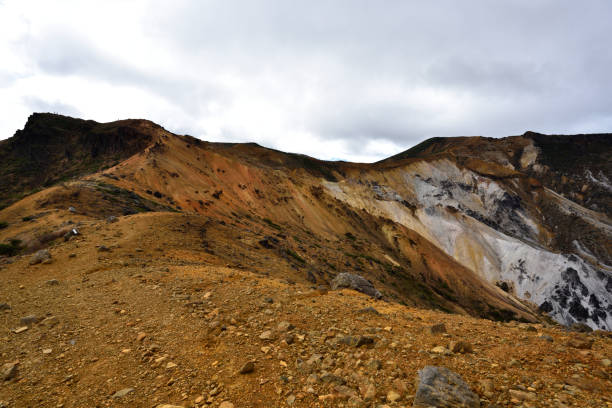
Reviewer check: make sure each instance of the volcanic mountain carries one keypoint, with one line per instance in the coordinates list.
(498, 228)
(141, 268)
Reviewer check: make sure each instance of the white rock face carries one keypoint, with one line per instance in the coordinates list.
(529, 155)
(484, 226)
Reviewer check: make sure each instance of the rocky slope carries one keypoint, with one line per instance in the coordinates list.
(125, 314)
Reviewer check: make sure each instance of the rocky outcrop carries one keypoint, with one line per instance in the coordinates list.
(355, 282)
(439, 387)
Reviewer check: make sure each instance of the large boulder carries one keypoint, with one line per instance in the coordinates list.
(355, 282)
(440, 387)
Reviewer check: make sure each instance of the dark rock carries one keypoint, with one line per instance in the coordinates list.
(357, 341)
(248, 367)
(29, 320)
(5, 306)
(355, 282)
(437, 328)
(580, 343)
(580, 328)
(439, 387)
(52, 282)
(329, 378)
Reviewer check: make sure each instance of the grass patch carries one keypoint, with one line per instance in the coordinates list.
(10, 249)
(272, 224)
(350, 236)
(295, 256)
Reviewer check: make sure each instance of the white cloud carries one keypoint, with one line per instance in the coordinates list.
(355, 80)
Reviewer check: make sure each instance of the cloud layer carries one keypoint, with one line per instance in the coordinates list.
(354, 80)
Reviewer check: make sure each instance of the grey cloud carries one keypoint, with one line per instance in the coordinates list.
(39, 105)
(64, 53)
(502, 67)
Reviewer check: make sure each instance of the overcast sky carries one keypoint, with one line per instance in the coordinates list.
(353, 80)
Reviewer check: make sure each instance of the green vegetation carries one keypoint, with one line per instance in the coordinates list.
(350, 236)
(272, 224)
(10, 249)
(295, 256)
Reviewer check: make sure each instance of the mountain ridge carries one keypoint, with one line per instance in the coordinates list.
(480, 187)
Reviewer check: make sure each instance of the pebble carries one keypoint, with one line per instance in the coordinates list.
(52, 282)
(248, 367)
(440, 350)
(522, 395)
(226, 404)
(547, 338)
(393, 396)
(123, 392)
(267, 335)
(461, 347)
(285, 326)
(437, 328)
(49, 321)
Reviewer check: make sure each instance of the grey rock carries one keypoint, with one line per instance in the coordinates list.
(355, 282)
(123, 392)
(368, 310)
(103, 248)
(72, 209)
(439, 387)
(29, 320)
(547, 338)
(52, 282)
(5, 306)
(40, 256)
(111, 219)
(329, 378)
(9, 371)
